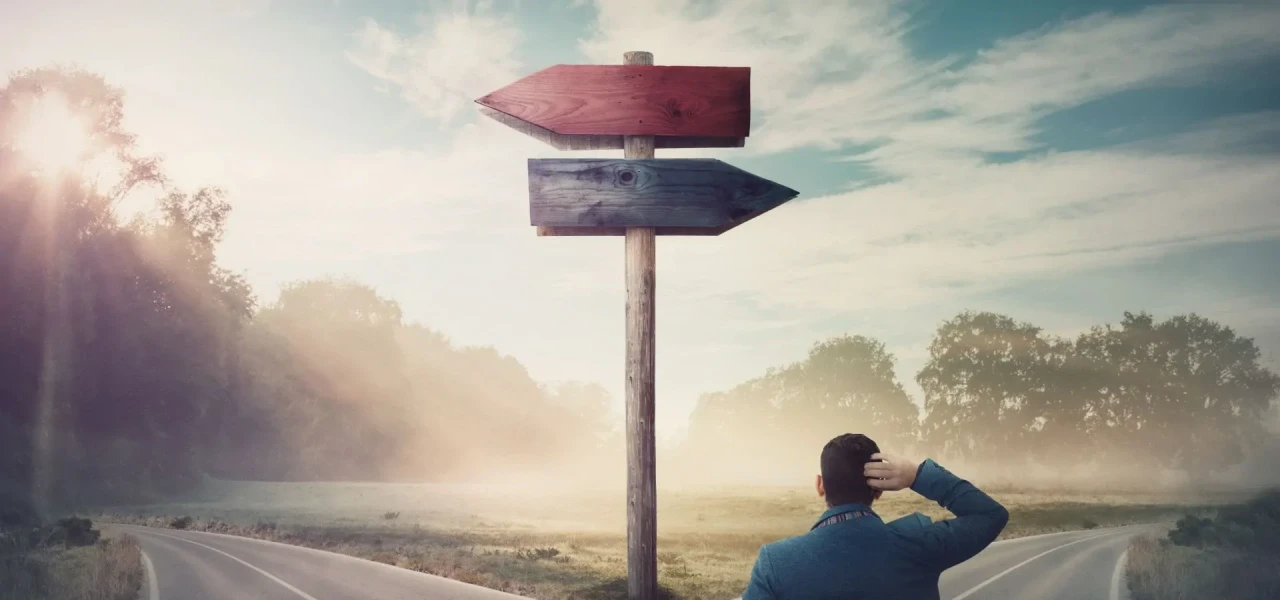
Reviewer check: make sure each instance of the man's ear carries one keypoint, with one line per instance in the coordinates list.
(822, 492)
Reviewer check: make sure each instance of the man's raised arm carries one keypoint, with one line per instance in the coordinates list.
(979, 519)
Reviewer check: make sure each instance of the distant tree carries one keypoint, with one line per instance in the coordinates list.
(100, 108)
(737, 432)
(784, 417)
(987, 386)
(848, 383)
(330, 371)
(114, 338)
(132, 362)
(1185, 393)
(585, 412)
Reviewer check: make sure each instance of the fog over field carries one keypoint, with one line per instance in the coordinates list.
(265, 270)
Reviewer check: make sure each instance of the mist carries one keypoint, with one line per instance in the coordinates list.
(136, 367)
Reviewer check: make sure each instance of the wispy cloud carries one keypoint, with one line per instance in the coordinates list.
(832, 75)
(842, 77)
(384, 204)
(458, 53)
(838, 74)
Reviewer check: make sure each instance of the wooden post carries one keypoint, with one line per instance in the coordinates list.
(642, 493)
(579, 107)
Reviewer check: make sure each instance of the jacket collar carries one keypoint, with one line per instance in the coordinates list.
(844, 508)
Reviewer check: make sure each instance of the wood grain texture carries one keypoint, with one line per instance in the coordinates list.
(642, 478)
(671, 193)
(631, 100)
(642, 494)
(604, 142)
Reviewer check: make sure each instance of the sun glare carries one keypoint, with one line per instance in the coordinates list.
(52, 135)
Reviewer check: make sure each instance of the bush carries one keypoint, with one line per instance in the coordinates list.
(1232, 555)
(1252, 527)
(180, 523)
(107, 570)
(71, 532)
(391, 516)
(1162, 570)
(1089, 524)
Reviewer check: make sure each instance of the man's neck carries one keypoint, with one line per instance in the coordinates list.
(831, 506)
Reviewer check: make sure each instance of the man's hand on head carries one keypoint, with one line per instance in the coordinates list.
(890, 473)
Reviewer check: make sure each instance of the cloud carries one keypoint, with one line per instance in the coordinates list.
(913, 241)
(248, 8)
(1233, 135)
(833, 75)
(457, 55)
(837, 76)
(384, 204)
(1092, 57)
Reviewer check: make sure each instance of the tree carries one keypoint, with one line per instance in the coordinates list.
(1184, 393)
(987, 386)
(114, 353)
(845, 384)
(131, 362)
(849, 382)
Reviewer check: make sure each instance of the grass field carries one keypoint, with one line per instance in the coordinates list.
(573, 545)
(108, 570)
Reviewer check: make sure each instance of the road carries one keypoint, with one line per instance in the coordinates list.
(1077, 565)
(188, 565)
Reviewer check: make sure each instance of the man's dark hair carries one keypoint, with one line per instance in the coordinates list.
(843, 461)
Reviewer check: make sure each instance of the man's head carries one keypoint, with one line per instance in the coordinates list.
(842, 480)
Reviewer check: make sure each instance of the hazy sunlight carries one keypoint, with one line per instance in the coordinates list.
(54, 137)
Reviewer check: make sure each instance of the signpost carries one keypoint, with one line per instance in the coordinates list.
(637, 107)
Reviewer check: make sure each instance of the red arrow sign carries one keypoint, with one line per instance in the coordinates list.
(631, 100)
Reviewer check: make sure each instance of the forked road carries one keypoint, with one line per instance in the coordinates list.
(188, 565)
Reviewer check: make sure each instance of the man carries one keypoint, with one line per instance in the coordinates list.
(850, 554)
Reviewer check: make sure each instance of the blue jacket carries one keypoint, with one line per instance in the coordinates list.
(864, 558)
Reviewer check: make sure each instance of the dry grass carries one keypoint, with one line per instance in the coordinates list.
(108, 570)
(574, 545)
(1160, 570)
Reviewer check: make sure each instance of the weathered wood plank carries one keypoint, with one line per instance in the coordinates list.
(631, 100)
(672, 193)
(604, 142)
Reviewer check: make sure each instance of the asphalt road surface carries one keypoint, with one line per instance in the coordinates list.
(188, 565)
(1077, 565)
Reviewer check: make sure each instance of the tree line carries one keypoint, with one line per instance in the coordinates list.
(132, 363)
(1184, 395)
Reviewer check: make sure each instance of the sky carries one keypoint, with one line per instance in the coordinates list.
(1059, 162)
